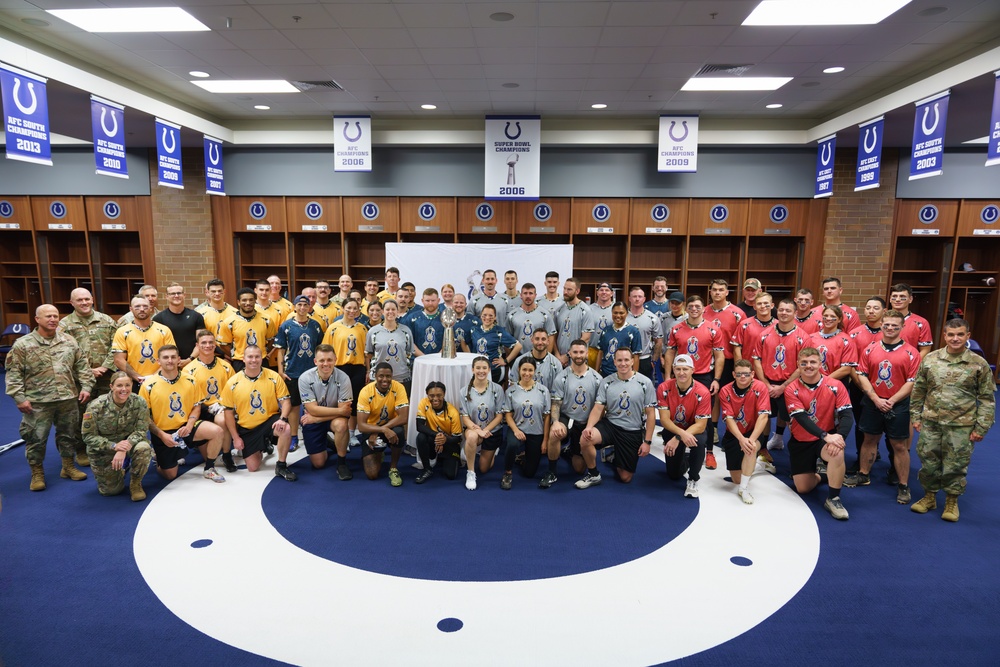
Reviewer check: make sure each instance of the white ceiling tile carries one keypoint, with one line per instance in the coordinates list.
(561, 84)
(404, 72)
(665, 70)
(559, 96)
(519, 56)
(364, 15)
(285, 57)
(145, 41)
(622, 37)
(457, 71)
(392, 56)
(696, 36)
(282, 17)
(564, 70)
(510, 72)
(462, 84)
(623, 71)
(467, 96)
(689, 54)
(862, 53)
(242, 17)
(551, 56)
(624, 54)
(361, 86)
(760, 35)
(195, 41)
(354, 72)
(504, 95)
(332, 57)
(983, 12)
(825, 35)
(442, 38)
(172, 58)
(648, 13)
(525, 14)
(740, 54)
(580, 14)
(505, 38)
(228, 58)
(409, 85)
(959, 33)
(266, 39)
(608, 84)
(433, 15)
(373, 38)
(462, 57)
(717, 12)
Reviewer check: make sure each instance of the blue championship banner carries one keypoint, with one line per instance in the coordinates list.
(108, 123)
(25, 116)
(352, 143)
(168, 154)
(869, 154)
(993, 151)
(513, 157)
(215, 180)
(825, 152)
(928, 136)
(678, 144)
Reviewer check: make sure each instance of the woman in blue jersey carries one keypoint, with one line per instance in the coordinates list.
(618, 335)
(481, 408)
(526, 410)
(392, 343)
(495, 343)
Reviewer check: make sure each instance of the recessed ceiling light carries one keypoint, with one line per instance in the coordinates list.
(822, 12)
(136, 19)
(247, 86)
(735, 83)
(199, 74)
(773, 106)
(502, 16)
(833, 70)
(38, 23)
(261, 107)
(511, 85)
(598, 106)
(429, 107)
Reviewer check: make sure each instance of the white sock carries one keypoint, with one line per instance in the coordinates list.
(744, 482)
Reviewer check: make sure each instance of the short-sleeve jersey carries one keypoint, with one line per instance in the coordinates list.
(747, 336)
(170, 401)
(521, 324)
(142, 345)
(427, 330)
(889, 368)
(318, 319)
(625, 401)
(864, 336)
(725, 321)
(488, 343)
(209, 378)
(916, 331)
(240, 331)
(835, 350)
(482, 407)
(214, 317)
(778, 352)
(810, 323)
(687, 406)
(700, 342)
(392, 347)
(298, 342)
(382, 408)
(577, 392)
(330, 393)
(330, 312)
(254, 400)
(528, 407)
(612, 339)
(601, 316)
(550, 306)
(649, 328)
(276, 311)
(546, 368)
(447, 421)
(463, 328)
(656, 307)
(851, 319)
(745, 409)
(348, 342)
(571, 323)
(499, 302)
(821, 403)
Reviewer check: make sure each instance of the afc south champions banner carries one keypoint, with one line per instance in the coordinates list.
(869, 154)
(352, 143)
(513, 157)
(993, 152)
(108, 124)
(25, 116)
(678, 145)
(215, 181)
(928, 136)
(168, 154)
(824, 166)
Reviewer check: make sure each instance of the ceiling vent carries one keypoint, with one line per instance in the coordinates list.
(732, 70)
(312, 85)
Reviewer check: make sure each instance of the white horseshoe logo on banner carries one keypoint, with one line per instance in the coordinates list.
(826, 153)
(874, 131)
(213, 153)
(923, 123)
(30, 109)
(114, 122)
(173, 141)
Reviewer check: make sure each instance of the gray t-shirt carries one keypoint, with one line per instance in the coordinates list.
(572, 322)
(528, 407)
(327, 394)
(546, 370)
(649, 328)
(481, 408)
(602, 320)
(521, 324)
(576, 392)
(625, 401)
(551, 307)
(393, 347)
(667, 322)
(499, 301)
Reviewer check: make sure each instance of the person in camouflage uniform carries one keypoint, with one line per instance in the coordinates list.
(48, 377)
(115, 431)
(93, 332)
(952, 407)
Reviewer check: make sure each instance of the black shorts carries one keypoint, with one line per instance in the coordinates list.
(646, 367)
(293, 392)
(314, 436)
(803, 455)
(356, 373)
(626, 444)
(895, 423)
(727, 372)
(778, 407)
(167, 457)
(705, 379)
(573, 435)
(257, 439)
(368, 450)
(492, 443)
(734, 453)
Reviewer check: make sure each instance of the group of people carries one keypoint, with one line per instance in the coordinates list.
(553, 377)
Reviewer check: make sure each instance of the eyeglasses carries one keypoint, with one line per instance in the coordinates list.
(743, 375)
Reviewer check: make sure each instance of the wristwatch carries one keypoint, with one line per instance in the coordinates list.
(648, 442)
(284, 419)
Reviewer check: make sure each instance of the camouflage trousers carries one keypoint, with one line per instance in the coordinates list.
(103, 386)
(64, 415)
(111, 482)
(944, 453)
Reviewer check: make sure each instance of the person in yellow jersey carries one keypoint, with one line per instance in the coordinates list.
(245, 328)
(175, 418)
(325, 307)
(274, 283)
(136, 342)
(383, 409)
(439, 430)
(347, 337)
(257, 407)
(215, 309)
(391, 285)
(211, 373)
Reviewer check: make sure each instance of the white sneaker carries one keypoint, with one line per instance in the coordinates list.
(776, 442)
(745, 496)
(213, 475)
(692, 489)
(767, 466)
(470, 480)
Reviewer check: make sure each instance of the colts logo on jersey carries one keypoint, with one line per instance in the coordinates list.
(566, 326)
(528, 411)
(624, 402)
(392, 349)
(352, 344)
(822, 357)
(580, 396)
(383, 417)
(527, 328)
(481, 346)
(779, 357)
(256, 403)
(145, 351)
(692, 347)
(176, 407)
(430, 336)
(305, 346)
(812, 410)
(680, 415)
(741, 418)
(483, 414)
(884, 373)
(251, 337)
(612, 347)
(212, 387)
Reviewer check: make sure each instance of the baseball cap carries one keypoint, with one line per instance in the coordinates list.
(608, 285)
(684, 360)
(302, 298)
(751, 282)
(676, 296)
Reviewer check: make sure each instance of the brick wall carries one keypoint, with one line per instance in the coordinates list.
(859, 229)
(182, 227)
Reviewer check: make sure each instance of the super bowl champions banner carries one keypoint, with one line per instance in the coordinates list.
(993, 150)
(513, 157)
(825, 152)
(108, 123)
(869, 154)
(25, 116)
(168, 154)
(215, 180)
(352, 143)
(928, 136)
(678, 145)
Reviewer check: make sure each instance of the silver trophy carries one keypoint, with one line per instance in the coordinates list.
(448, 345)
(511, 161)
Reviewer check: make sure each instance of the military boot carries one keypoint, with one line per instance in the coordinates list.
(135, 488)
(70, 471)
(925, 504)
(37, 477)
(950, 508)
(82, 459)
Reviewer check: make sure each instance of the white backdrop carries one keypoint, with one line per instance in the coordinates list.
(462, 264)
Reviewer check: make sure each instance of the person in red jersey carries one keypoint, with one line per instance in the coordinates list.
(821, 420)
(805, 319)
(725, 317)
(746, 408)
(863, 336)
(747, 335)
(916, 329)
(685, 407)
(836, 349)
(832, 290)
(775, 363)
(886, 372)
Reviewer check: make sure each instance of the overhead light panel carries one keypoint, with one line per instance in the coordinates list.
(823, 12)
(716, 83)
(247, 86)
(136, 19)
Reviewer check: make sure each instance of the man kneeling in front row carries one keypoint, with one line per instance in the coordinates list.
(746, 408)
(383, 410)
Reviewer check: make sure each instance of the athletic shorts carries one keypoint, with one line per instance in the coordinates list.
(727, 372)
(257, 439)
(573, 435)
(293, 392)
(356, 374)
(778, 407)
(626, 444)
(492, 443)
(895, 423)
(167, 457)
(368, 450)
(314, 436)
(646, 367)
(705, 379)
(803, 455)
(735, 453)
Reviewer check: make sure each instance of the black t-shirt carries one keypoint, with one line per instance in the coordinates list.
(183, 326)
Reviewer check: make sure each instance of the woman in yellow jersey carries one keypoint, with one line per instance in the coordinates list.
(439, 429)
(347, 336)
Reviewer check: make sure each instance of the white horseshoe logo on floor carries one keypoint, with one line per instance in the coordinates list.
(114, 122)
(937, 118)
(30, 109)
(874, 131)
(173, 141)
(357, 124)
(670, 130)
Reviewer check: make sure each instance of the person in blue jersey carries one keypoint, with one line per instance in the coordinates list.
(297, 339)
(526, 409)
(618, 335)
(425, 323)
(658, 303)
(392, 343)
(494, 342)
(573, 393)
(481, 409)
(465, 321)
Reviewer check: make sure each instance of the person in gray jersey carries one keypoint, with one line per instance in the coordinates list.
(326, 396)
(522, 321)
(550, 301)
(546, 364)
(601, 312)
(481, 407)
(649, 327)
(623, 416)
(673, 315)
(490, 295)
(573, 393)
(574, 321)
(392, 343)
(511, 293)
(526, 409)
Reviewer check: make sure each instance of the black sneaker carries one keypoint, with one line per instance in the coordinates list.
(281, 470)
(547, 481)
(506, 481)
(344, 473)
(269, 449)
(424, 476)
(858, 479)
(227, 460)
(892, 479)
